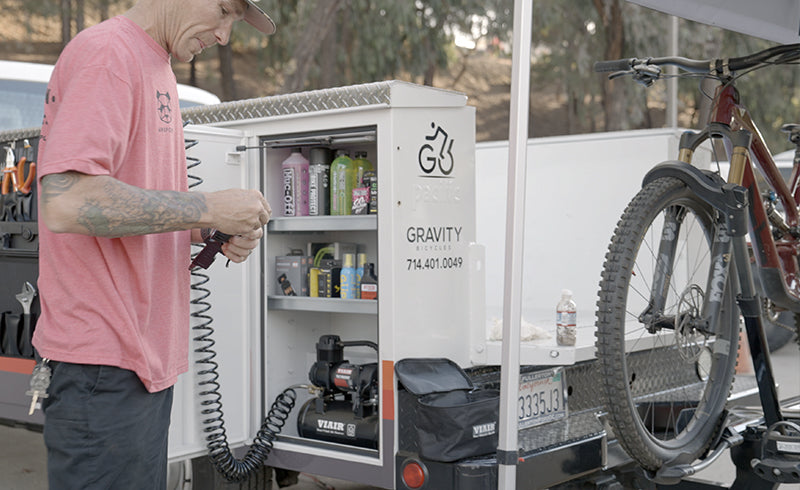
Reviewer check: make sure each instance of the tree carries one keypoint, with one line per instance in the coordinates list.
(225, 55)
(66, 22)
(317, 27)
(356, 41)
(610, 12)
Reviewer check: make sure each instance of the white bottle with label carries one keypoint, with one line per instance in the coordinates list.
(566, 319)
(295, 184)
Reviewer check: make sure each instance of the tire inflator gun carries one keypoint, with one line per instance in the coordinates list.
(213, 239)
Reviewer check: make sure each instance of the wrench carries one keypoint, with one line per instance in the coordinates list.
(25, 298)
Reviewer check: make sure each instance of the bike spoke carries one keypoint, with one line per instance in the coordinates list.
(663, 318)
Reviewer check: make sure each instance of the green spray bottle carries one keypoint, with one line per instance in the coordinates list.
(343, 176)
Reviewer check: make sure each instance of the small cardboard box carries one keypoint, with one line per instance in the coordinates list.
(296, 269)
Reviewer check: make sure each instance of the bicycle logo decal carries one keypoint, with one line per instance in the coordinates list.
(431, 158)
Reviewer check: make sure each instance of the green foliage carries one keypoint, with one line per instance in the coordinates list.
(378, 39)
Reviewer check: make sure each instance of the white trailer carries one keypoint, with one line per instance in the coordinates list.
(437, 241)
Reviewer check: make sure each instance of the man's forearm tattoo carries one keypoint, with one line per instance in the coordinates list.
(55, 185)
(127, 210)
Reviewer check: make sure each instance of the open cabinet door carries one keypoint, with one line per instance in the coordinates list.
(228, 323)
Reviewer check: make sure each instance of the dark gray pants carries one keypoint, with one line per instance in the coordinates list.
(103, 430)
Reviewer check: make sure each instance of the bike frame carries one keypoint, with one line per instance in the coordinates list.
(780, 255)
(776, 259)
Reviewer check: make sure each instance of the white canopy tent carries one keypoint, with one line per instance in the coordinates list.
(773, 20)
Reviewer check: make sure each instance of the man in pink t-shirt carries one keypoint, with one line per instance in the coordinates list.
(116, 222)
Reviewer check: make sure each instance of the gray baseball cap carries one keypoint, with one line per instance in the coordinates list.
(258, 18)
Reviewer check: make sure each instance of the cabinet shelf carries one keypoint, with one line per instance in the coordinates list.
(324, 223)
(329, 305)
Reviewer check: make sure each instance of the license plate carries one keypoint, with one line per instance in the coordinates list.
(542, 397)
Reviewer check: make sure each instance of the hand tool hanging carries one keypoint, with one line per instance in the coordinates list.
(24, 183)
(9, 180)
(25, 298)
(16, 186)
(17, 330)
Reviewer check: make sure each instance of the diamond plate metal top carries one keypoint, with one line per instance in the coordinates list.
(387, 93)
(18, 134)
(370, 94)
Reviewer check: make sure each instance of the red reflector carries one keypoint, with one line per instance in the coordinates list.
(413, 475)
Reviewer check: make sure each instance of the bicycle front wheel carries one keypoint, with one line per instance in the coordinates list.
(667, 366)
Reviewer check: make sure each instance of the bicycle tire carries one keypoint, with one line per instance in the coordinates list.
(632, 383)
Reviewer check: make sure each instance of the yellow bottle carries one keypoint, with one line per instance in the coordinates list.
(361, 165)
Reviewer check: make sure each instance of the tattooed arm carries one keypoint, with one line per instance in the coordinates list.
(73, 202)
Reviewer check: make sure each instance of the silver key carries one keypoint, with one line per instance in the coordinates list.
(40, 381)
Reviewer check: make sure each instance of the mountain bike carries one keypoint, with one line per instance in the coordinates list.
(680, 272)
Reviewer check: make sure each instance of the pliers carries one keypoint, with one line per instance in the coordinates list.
(14, 175)
(9, 172)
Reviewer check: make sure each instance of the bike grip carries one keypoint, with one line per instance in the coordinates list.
(613, 65)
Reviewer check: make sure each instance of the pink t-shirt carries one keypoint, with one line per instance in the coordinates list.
(112, 109)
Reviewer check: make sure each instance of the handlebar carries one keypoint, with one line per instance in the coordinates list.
(614, 65)
(647, 69)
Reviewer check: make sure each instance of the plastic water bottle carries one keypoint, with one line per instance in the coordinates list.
(566, 319)
(295, 184)
(347, 278)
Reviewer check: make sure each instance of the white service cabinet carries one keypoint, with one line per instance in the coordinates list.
(421, 142)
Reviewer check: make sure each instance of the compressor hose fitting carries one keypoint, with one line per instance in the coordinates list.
(219, 452)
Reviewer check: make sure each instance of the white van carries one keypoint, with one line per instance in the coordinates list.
(23, 86)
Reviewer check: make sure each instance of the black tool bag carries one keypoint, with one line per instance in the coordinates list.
(451, 420)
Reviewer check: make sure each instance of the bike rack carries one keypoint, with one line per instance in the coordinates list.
(764, 458)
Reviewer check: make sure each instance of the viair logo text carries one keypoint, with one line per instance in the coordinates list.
(483, 430)
(330, 425)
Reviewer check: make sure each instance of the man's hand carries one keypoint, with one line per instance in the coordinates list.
(239, 247)
(238, 211)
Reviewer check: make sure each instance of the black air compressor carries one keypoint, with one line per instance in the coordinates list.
(346, 409)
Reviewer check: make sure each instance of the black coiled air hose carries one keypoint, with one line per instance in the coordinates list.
(219, 452)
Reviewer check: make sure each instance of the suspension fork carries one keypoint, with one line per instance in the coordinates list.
(731, 200)
(652, 316)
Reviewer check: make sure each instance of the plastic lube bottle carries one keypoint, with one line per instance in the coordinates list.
(566, 319)
(360, 263)
(347, 278)
(361, 165)
(295, 184)
(342, 183)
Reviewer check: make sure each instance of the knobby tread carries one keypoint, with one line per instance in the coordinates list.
(610, 331)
